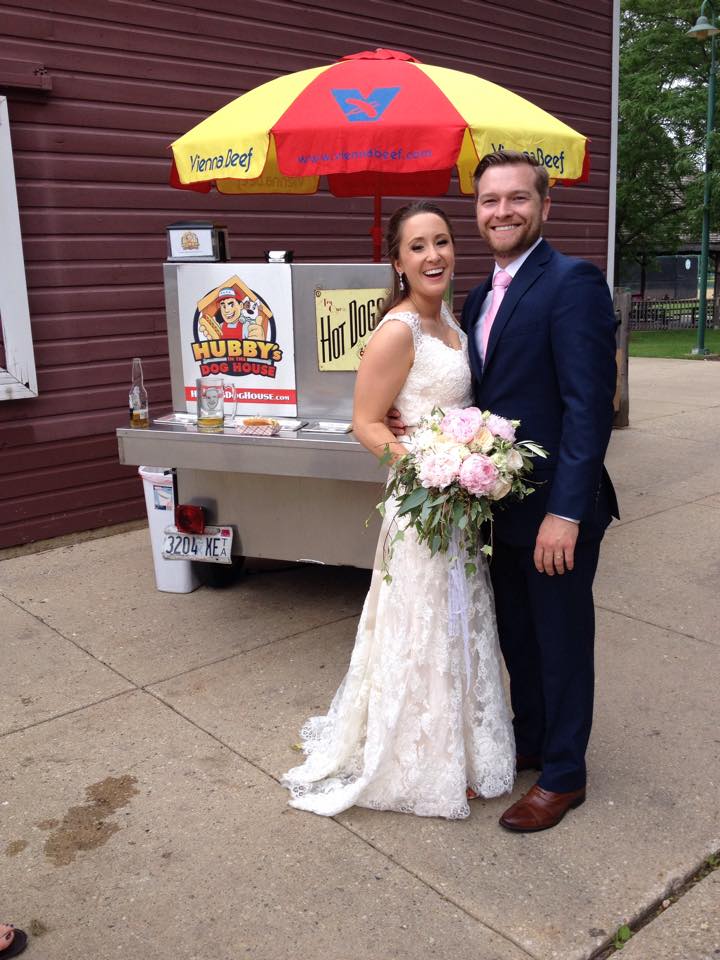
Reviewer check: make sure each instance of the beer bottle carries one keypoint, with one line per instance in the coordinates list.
(139, 412)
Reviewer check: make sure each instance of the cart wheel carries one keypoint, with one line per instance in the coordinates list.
(219, 576)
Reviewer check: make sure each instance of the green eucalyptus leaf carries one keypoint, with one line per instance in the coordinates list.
(418, 496)
(435, 519)
(425, 512)
(535, 448)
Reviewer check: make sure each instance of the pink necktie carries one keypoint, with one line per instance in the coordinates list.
(501, 281)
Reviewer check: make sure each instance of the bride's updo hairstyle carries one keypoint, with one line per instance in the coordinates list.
(393, 238)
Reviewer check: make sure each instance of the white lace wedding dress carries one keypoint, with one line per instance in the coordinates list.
(408, 729)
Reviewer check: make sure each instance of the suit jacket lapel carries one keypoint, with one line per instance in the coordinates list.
(526, 276)
(475, 358)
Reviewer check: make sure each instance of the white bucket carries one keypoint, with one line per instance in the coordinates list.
(171, 576)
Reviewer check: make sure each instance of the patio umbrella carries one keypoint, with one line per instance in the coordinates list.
(377, 123)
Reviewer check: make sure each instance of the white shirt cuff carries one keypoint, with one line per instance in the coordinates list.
(560, 517)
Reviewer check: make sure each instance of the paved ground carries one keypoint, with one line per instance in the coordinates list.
(143, 735)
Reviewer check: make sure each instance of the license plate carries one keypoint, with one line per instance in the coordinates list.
(213, 546)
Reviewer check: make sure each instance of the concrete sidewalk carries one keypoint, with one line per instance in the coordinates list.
(143, 735)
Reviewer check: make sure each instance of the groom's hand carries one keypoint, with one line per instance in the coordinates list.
(555, 545)
(394, 423)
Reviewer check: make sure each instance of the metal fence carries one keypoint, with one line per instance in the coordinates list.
(667, 314)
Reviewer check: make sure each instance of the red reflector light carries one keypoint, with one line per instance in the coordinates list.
(190, 518)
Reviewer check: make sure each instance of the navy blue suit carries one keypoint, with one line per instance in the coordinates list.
(551, 364)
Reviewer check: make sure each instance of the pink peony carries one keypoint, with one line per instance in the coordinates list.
(478, 474)
(501, 427)
(439, 469)
(462, 425)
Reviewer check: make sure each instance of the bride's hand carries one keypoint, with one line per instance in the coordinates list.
(394, 423)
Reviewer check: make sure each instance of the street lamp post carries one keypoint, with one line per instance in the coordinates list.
(703, 29)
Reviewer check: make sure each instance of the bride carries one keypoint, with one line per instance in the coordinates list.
(408, 729)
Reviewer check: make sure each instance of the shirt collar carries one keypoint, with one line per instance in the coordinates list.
(512, 268)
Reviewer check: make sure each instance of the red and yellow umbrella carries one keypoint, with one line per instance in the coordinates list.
(377, 123)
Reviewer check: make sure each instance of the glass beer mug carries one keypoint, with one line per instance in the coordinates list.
(211, 396)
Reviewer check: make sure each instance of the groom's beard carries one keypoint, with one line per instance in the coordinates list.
(513, 244)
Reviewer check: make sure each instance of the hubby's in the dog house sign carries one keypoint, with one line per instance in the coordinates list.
(236, 322)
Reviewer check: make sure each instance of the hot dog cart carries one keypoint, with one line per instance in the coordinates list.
(287, 345)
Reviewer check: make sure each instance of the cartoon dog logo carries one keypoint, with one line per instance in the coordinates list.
(251, 320)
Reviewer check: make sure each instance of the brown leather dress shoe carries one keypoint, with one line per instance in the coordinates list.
(540, 809)
(528, 761)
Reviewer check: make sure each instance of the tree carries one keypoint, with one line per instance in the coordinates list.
(661, 141)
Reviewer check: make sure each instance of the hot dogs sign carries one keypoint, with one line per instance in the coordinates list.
(239, 325)
(344, 321)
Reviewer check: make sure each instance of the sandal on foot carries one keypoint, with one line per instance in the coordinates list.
(12, 941)
(470, 794)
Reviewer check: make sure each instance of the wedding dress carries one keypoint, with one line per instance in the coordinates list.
(409, 727)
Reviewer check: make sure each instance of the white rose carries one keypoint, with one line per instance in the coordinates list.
(514, 461)
(500, 490)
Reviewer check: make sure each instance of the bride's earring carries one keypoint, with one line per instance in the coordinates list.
(401, 282)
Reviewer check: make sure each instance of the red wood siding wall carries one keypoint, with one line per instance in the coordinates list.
(91, 162)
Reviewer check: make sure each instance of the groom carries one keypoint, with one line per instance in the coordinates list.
(541, 338)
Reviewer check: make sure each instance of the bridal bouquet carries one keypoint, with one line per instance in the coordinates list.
(457, 465)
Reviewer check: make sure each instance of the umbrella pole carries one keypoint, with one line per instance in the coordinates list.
(376, 231)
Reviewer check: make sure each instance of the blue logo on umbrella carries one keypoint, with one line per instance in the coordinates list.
(360, 109)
